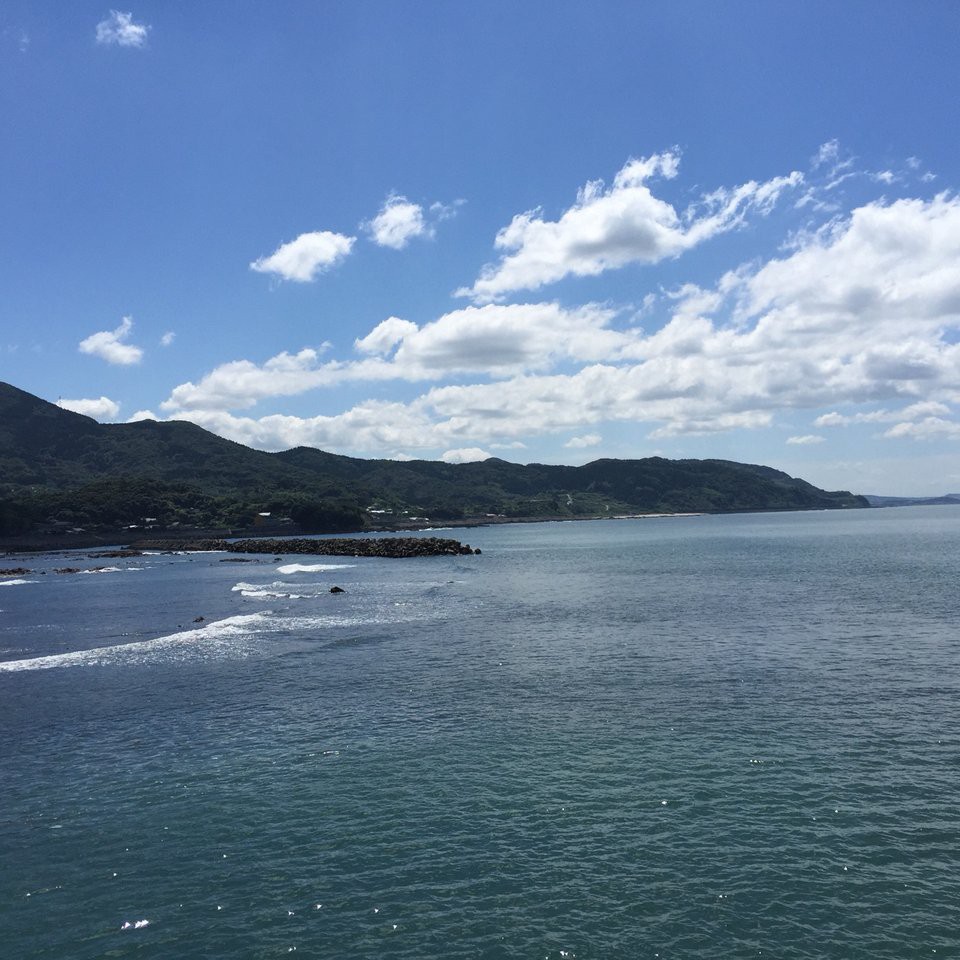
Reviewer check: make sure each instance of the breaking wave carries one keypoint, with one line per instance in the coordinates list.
(209, 639)
(289, 568)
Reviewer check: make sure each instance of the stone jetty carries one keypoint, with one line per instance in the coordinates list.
(396, 547)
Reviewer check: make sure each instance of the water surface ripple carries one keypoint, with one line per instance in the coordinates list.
(698, 738)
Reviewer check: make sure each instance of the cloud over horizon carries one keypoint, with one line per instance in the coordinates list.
(853, 313)
(101, 408)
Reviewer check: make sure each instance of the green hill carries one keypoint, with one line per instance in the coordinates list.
(61, 470)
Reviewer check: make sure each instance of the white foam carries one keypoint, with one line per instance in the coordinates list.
(204, 640)
(289, 568)
(102, 570)
(271, 595)
(15, 583)
(278, 590)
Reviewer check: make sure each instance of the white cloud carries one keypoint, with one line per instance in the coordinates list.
(609, 228)
(304, 258)
(385, 335)
(587, 440)
(119, 29)
(827, 155)
(464, 455)
(446, 211)
(807, 440)
(241, 383)
(109, 345)
(401, 220)
(930, 428)
(167, 338)
(397, 223)
(861, 316)
(143, 415)
(102, 408)
(373, 426)
(496, 340)
(915, 411)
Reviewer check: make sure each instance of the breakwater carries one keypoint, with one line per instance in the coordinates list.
(395, 547)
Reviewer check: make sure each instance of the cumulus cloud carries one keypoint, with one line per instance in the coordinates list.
(119, 29)
(930, 428)
(306, 257)
(587, 440)
(109, 345)
(401, 220)
(167, 338)
(241, 383)
(102, 408)
(805, 441)
(397, 223)
(143, 415)
(607, 228)
(861, 316)
(373, 425)
(464, 455)
(495, 340)
(914, 411)
(386, 335)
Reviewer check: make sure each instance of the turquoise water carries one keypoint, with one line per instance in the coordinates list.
(705, 737)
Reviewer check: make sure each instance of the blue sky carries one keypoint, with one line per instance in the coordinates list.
(543, 231)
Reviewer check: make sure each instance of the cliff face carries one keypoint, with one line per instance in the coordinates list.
(61, 468)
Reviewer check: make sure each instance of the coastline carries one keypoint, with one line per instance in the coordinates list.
(14, 546)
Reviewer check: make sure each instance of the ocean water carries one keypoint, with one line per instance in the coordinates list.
(707, 737)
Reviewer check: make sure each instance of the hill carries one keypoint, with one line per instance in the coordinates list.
(61, 470)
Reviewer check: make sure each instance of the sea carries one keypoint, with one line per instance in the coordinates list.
(698, 737)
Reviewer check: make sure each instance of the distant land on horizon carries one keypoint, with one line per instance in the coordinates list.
(62, 471)
(946, 499)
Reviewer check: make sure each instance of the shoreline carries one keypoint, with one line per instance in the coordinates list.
(121, 539)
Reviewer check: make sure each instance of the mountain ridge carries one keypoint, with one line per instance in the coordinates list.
(62, 468)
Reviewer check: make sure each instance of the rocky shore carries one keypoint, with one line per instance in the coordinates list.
(393, 547)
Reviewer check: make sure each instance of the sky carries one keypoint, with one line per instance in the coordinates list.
(548, 232)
